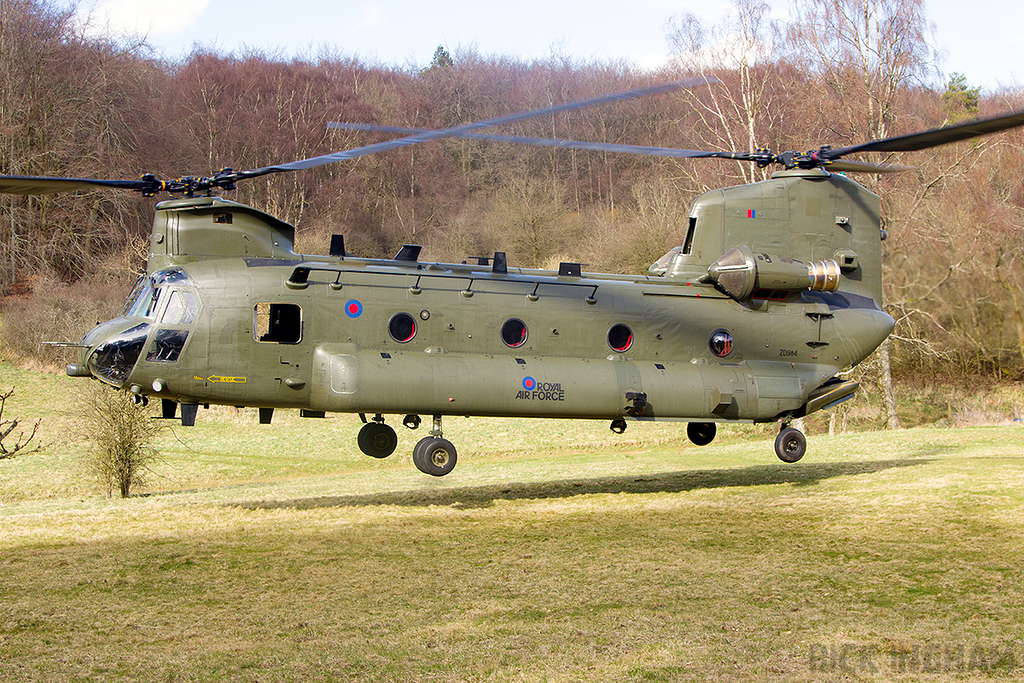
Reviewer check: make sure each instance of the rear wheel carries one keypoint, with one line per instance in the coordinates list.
(434, 456)
(790, 445)
(701, 433)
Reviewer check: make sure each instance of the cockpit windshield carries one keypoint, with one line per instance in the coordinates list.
(143, 301)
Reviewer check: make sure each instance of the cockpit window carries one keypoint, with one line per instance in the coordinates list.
(142, 303)
(660, 267)
(174, 276)
(181, 309)
(167, 345)
(113, 360)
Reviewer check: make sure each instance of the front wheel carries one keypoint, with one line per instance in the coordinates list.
(790, 445)
(377, 440)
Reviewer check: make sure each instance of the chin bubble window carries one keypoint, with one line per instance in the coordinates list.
(513, 333)
(620, 338)
(720, 343)
(167, 345)
(402, 327)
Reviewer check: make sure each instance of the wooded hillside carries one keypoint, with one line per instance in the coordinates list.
(842, 72)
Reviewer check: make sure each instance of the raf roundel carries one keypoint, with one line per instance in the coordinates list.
(529, 383)
(353, 309)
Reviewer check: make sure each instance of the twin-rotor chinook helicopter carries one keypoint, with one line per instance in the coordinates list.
(774, 292)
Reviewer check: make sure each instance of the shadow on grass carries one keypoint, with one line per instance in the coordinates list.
(667, 482)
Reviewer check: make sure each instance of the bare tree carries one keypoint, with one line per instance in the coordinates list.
(865, 53)
(69, 106)
(7, 427)
(738, 113)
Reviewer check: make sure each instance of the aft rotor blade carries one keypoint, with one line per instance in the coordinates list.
(455, 131)
(935, 137)
(849, 166)
(549, 142)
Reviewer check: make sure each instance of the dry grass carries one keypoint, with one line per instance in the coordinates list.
(279, 554)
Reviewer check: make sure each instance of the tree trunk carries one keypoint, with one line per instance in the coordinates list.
(892, 419)
(1018, 305)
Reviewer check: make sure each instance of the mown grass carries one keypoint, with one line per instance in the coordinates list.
(554, 552)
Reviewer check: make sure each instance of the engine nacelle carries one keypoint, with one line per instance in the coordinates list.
(741, 272)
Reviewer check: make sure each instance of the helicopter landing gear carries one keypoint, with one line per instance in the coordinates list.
(701, 433)
(433, 454)
(790, 444)
(377, 439)
(168, 408)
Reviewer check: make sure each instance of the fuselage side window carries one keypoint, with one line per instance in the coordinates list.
(281, 323)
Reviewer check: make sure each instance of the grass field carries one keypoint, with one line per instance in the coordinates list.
(556, 551)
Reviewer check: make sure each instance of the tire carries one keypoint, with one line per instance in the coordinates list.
(417, 453)
(790, 445)
(377, 440)
(701, 433)
(434, 456)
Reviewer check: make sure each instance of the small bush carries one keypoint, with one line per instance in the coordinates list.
(120, 434)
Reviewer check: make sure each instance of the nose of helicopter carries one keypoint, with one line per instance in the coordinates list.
(110, 350)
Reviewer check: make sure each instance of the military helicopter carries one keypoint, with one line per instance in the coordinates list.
(774, 292)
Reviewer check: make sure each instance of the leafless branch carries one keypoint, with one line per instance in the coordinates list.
(7, 427)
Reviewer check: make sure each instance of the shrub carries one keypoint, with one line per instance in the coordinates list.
(121, 435)
(51, 311)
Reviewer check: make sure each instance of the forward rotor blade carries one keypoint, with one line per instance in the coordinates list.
(48, 185)
(455, 131)
(226, 179)
(935, 137)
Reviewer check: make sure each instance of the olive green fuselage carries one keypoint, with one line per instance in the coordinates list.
(230, 315)
(342, 356)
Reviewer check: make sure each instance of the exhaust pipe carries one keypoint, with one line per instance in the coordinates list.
(741, 273)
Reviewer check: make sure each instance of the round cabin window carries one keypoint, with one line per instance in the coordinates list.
(513, 333)
(720, 343)
(402, 327)
(620, 338)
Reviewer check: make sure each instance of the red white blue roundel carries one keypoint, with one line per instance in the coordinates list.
(353, 308)
(529, 383)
